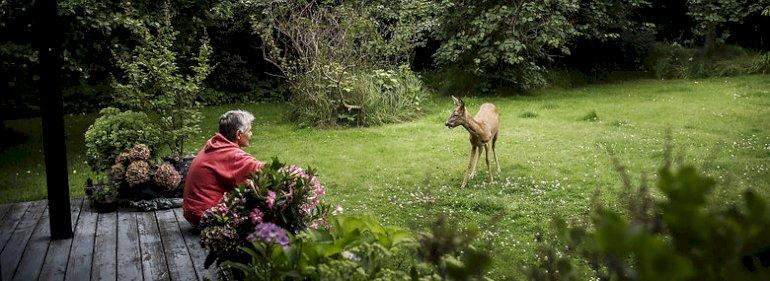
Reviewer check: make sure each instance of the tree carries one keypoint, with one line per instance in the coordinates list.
(513, 41)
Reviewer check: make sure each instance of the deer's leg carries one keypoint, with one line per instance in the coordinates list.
(487, 148)
(470, 166)
(494, 153)
(476, 162)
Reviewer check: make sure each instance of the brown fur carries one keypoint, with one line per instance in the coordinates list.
(483, 129)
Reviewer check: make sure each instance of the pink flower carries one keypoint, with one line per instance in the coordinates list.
(319, 189)
(270, 199)
(337, 210)
(256, 216)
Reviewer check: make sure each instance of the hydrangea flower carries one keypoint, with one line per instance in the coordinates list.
(167, 177)
(138, 172)
(123, 156)
(118, 172)
(270, 233)
(139, 152)
(220, 238)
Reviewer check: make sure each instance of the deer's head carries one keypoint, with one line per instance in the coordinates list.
(458, 114)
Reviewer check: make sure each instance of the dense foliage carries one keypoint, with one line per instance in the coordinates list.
(675, 238)
(360, 248)
(514, 41)
(511, 42)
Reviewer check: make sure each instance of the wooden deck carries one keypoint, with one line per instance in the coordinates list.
(123, 245)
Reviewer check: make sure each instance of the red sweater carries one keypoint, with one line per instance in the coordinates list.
(218, 168)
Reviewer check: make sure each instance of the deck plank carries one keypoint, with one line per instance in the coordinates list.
(154, 265)
(129, 254)
(105, 248)
(179, 263)
(55, 265)
(81, 255)
(34, 254)
(11, 254)
(11, 220)
(197, 253)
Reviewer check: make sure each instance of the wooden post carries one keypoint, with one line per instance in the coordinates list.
(47, 38)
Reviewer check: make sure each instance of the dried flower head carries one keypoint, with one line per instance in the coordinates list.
(138, 172)
(167, 177)
(139, 152)
(118, 172)
(122, 157)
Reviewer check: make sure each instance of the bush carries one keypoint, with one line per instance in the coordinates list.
(676, 238)
(114, 132)
(361, 99)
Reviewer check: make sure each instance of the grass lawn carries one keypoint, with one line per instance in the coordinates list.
(553, 161)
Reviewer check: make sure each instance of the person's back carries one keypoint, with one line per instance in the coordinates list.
(220, 166)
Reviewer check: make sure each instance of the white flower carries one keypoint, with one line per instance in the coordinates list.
(350, 256)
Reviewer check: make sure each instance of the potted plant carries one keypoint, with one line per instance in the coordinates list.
(104, 198)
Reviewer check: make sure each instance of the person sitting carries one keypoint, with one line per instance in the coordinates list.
(220, 165)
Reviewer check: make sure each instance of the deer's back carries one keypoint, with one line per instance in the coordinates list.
(488, 114)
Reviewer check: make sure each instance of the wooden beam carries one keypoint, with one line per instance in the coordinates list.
(48, 41)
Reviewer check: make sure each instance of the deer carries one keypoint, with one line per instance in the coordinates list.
(483, 129)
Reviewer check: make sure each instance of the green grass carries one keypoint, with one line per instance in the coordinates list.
(552, 164)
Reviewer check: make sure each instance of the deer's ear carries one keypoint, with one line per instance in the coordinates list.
(457, 101)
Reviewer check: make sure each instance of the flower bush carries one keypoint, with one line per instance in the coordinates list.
(285, 199)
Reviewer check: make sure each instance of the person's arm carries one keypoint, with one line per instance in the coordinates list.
(243, 165)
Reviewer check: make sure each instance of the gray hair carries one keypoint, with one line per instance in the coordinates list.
(233, 121)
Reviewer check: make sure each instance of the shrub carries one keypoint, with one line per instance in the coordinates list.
(286, 196)
(676, 238)
(115, 131)
(675, 61)
(361, 99)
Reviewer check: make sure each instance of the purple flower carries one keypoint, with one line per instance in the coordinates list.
(270, 199)
(270, 233)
